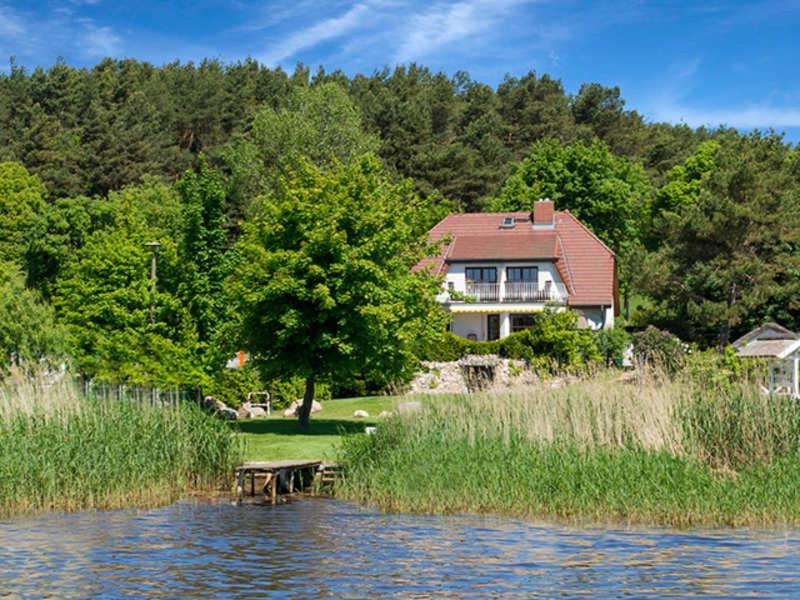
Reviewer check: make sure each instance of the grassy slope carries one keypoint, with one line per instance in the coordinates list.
(278, 437)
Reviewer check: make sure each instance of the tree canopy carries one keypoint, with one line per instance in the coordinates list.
(325, 285)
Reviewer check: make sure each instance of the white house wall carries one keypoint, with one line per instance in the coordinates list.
(596, 317)
(465, 324)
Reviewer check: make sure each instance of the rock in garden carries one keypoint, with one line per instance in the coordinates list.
(256, 412)
(228, 414)
(361, 414)
(243, 412)
(316, 407)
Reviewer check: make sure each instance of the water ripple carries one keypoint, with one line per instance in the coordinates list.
(325, 548)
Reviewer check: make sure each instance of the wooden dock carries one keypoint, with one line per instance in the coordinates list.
(282, 477)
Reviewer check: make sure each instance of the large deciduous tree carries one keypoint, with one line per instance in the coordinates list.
(21, 200)
(325, 286)
(28, 332)
(203, 246)
(606, 192)
(320, 124)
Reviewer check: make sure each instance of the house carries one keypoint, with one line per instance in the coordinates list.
(781, 348)
(501, 268)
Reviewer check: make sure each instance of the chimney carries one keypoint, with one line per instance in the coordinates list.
(544, 214)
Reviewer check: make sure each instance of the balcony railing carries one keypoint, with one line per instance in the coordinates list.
(516, 291)
(483, 292)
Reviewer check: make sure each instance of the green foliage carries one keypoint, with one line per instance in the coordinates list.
(105, 294)
(324, 283)
(21, 200)
(28, 332)
(612, 342)
(606, 192)
(319, 124)
(730, 260)
(553, 341)
(721, 369)
(658, 349)
(204, 243)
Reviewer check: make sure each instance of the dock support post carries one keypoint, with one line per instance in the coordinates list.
(239, 484)
(274, 489)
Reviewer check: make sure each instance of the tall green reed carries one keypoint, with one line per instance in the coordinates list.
(59, 451)
(655, 450)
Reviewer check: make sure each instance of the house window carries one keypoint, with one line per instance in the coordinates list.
(520, 322)
(492, 327)
(526, 274)
(481, 274)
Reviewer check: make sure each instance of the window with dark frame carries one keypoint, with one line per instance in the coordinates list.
(523, 274)
(521, 322)
(481, 274)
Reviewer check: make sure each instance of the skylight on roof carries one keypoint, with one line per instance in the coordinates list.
(508, 222)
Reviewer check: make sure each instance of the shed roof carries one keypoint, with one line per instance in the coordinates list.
(769, 349)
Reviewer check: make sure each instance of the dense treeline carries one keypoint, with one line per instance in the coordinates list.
(90, 131)
(300, 185)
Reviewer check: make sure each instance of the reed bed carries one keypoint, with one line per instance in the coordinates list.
(62, 451)
(654, 451)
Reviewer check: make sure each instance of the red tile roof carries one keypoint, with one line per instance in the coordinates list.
(584, 262)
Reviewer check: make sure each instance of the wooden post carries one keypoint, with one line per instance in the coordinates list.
(253, 483)
(239, 484)
(275, 488)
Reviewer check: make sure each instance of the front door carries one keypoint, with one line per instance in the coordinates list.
(492, 327)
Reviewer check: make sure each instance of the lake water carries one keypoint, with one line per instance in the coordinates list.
(315, 548)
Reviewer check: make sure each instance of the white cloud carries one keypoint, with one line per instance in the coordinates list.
(446, 23)
(316, 34)
(747, 117)
(11, 26)
(97, 41)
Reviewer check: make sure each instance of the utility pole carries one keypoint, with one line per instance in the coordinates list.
(154, 246)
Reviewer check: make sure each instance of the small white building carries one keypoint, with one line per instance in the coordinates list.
(501, 268)
(779, 346)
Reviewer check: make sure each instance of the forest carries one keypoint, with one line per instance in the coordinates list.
(250, 178)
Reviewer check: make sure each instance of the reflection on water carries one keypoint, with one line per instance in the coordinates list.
(314, 548)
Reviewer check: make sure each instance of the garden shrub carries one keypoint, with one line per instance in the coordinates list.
(660, 349)
(554, 340)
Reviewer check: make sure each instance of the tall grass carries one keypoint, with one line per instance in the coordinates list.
(61, 451)
(655, 451)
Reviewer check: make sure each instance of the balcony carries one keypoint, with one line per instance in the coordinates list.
(516, 291)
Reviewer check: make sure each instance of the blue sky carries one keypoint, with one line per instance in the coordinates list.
(735, 63)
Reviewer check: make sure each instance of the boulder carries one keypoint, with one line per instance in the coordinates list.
(228, 414)
(291, 411)
(256, 412)
(361, 414)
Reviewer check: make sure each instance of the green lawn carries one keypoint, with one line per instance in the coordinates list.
(278, 437)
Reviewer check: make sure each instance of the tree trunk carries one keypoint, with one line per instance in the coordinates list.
(725, 329)
(308, 399)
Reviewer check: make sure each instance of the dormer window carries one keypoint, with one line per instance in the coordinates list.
(508, 223)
